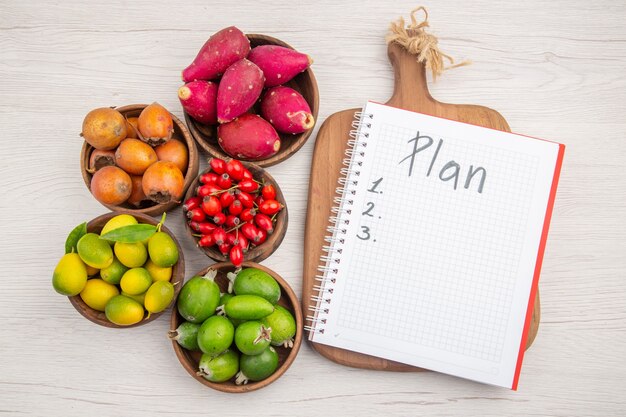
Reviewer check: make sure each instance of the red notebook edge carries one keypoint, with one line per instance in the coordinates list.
(540, 252)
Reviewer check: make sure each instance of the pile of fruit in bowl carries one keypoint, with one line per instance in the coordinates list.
(236, 329)
(120, 270)
(242, 91)
(235, 211)
(142, 163)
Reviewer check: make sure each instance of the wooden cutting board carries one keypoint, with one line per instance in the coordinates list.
(410, 93)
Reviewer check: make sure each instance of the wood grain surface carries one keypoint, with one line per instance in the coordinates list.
(552, 69)
(410, 92)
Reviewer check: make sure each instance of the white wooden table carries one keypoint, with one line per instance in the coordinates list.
(554, 69)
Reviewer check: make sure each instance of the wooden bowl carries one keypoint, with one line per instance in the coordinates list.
(286, 356)
(304, 83)
(258, 253)
(178, 272)
(180, 132)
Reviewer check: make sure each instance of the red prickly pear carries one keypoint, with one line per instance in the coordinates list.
(287, 110)
(199, 100)
(279, 64)
(248, 137)
(219, 52)
(239, 89)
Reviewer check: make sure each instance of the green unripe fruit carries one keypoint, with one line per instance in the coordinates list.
(215, 335)
(256, 282)
(252, 337)
(186, 335)
(114, 272)
(199, 298)
(94, 251)
(219, 368)
(257, 367)
(248, 307)
(283, 326)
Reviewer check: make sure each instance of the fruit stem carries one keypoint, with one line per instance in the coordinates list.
(210, 275)
(288, 343)
(215, 193)
(172, 335)
(241, 378)
(236, 227)
(158, 227)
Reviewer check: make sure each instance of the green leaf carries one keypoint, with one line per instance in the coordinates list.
(130, 234)
(74, 236)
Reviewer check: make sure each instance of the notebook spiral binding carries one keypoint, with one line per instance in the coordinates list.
(330, 263)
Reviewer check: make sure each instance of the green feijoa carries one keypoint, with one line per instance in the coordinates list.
(162, 250)
(215, 335)
(186, 335)
(225, 297)
(248, 307)
(199, 298)
(114, 272)
(257, 367)
(256, 282)
(283, 326)
(252, 337)
(219, 368)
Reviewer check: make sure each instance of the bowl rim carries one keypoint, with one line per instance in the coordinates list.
(192, 166)
(296, 144)
(252, 386)
(177, 279)
(273, 242)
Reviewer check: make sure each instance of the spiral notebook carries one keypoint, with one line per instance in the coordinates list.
(435, 248)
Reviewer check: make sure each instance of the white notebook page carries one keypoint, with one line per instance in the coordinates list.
(437, 269)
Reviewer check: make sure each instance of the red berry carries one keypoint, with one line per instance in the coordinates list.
(248, 186)
(196, 215)
(247, 175)
(246, 199)
(231, 238)
(192, 203)
(209, 178)
(217, 165)
(262, 236)
(235, 208)
(251, 232)
(204, 228)
(235, 168)
(224, 181)
(247, 214)
(268, 192)
(258, 200)
(219, 218)
(211, 205)
(242, 242)
(206, 241)
(236, 255)
(224, 248)
(264, 222)
(232, 221)
(207, 189)
(227, 198)
(195, 226)
(219, 235)
(270, 207)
